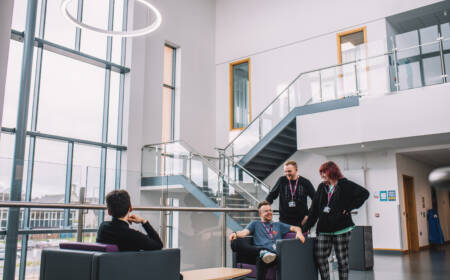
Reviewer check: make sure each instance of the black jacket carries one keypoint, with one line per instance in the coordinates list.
(119, 232)
(281, 189)
(347, 196)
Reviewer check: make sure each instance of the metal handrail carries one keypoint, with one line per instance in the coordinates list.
(207, 162)
(321, 69)
(248, 172)
(19, 204)
(293, 81)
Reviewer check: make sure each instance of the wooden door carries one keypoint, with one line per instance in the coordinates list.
(410, 214)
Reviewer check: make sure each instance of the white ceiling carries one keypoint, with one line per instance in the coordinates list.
(436, 158)
(421, 17)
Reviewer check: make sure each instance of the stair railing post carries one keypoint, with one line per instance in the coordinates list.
(223, 225)
(163, 202)
(190, 166)
(320, 85)
(441, 52)
(356, 79)
(260, 128)
(289, 99)
(397, 80)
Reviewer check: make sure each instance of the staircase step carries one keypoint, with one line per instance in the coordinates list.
(270, 163)
(253, 166)
(276, 149)
(288, 136)
(269, 155)
(291, 129)
(283, 143)
(286, 140)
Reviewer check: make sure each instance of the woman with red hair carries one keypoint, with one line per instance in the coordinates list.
(333, 202)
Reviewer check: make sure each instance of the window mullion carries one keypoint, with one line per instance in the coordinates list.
(78, 30)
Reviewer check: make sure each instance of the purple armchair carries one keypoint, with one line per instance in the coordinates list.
(295, 260)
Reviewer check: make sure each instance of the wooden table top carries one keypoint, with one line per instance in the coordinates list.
(217, 273)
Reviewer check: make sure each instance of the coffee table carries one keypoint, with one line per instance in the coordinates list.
(216, 273)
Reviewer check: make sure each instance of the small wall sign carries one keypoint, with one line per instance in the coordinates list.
(392, 195)
(383, 195)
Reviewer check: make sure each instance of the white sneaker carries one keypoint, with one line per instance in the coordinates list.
(267, 256)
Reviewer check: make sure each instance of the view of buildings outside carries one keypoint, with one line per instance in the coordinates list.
(70, 96)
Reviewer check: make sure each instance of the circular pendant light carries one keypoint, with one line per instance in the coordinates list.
(132, 33)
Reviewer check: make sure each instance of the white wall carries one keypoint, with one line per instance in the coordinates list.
(409, 113)
(6, 8)
(420, 171)
(190, 26)
(285, 38)
(375, 171)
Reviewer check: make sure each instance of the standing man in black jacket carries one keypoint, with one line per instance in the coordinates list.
(293, 191)
(118, 230)
(336, 197)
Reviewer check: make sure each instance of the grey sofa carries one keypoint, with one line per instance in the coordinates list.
(57, 264)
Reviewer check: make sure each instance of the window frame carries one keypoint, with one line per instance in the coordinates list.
(172, 88)
(345, 33)
(246, 60)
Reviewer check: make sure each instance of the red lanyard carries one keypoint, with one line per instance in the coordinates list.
(269, 232)
(290, 187)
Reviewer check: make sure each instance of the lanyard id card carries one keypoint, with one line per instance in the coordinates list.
(327, 208)
(291, 203)
(270, 233)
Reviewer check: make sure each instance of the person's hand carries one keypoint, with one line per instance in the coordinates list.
(300, 236)
(233, 236)
(345, 212)
(304, 220)
(133, 218)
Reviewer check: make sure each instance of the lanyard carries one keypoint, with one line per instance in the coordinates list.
(267, 230)
(330, 194)
(290, 187)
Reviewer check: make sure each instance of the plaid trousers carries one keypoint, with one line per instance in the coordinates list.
(322, 250)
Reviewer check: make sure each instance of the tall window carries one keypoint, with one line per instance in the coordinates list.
(240, 100)
(349, 43)
(74, 132)
(168, 100)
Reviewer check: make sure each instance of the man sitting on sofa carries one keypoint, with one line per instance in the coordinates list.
(265, 235)
(118, 230)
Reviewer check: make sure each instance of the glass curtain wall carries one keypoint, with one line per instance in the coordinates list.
(74, 130)
(419, 56)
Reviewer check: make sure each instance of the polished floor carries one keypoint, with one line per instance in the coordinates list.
(433, 264)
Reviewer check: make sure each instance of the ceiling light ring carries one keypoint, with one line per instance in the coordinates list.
(134, 33)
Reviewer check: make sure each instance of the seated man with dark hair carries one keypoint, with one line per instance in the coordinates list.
(265, 235)
(118, 230)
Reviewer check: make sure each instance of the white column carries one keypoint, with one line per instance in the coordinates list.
(6, 9)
